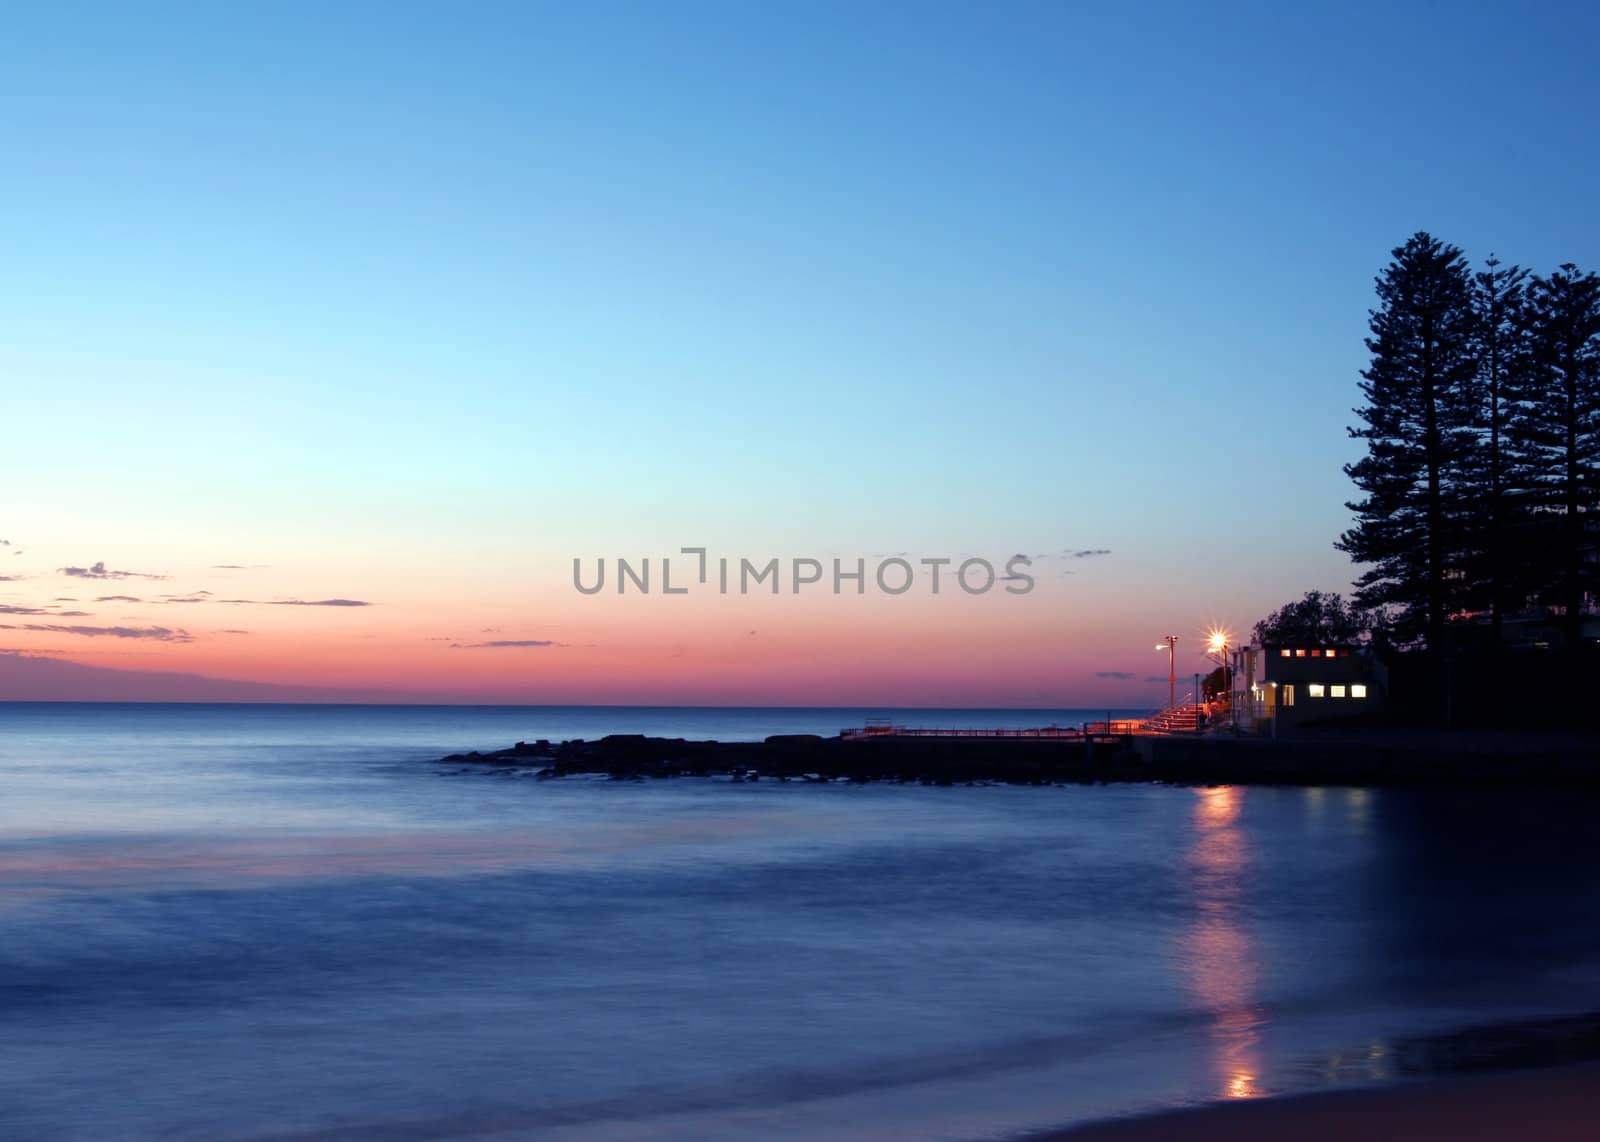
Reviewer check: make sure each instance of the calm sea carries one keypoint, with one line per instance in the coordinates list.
(230, 922)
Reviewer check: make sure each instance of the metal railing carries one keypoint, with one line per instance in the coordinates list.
(1119, 727)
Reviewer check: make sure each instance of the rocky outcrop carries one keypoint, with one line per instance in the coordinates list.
(803, 757)
(1354, 757)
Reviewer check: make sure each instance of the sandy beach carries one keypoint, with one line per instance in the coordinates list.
(1554, 1104)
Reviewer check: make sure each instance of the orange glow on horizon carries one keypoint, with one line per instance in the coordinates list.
(505, 639)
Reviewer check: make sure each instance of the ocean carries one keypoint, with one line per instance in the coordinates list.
(263, 922)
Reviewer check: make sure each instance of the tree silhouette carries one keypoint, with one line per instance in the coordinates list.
(1556, 435)
(1418, 425)
(1490, 475)
(1316, 620)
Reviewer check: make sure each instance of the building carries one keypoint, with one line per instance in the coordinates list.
(1288, 685)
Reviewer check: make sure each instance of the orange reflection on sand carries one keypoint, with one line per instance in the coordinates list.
(1216, 951)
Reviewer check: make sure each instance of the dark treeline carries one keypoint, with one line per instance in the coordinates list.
(1476, 521)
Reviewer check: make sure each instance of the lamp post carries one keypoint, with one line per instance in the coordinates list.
(1171, 647)
(1218, 646)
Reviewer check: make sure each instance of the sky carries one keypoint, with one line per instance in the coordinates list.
(411, 305)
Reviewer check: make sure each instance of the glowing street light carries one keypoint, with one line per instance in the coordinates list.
(1217, 646)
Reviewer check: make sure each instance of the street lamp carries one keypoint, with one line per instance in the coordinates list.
(1171, 647)
(1217, 646)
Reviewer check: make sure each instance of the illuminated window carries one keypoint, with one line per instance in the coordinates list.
(1358, 690)
(1285, 652)
(1299, 654)
(1288, 695)
(1336, 690)
(1316, 654)
(1316, 690)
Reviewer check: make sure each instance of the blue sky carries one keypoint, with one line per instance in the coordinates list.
(346, 287)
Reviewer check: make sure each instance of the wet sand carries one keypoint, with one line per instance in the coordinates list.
(1555, 1104)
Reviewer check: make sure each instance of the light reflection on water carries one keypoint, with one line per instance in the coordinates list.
(1218, 955)
(202, 860)
(299, 909)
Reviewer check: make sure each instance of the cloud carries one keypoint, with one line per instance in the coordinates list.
(12, 578)
(118, 599)
(159, 634)
(237, 566)
(200, 598)
(320, 603)
(1118, 675)
(292, 602)
(100, 571)
(1017, 576)
(501, 644)
(1088, 552)
(1155, 677)
(7, 609)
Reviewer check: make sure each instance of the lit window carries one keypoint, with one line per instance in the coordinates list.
(1316, 690)
(1336, 690)
(1299, 654)
(1316, 654)
(1285, 652)
(1288, 695)
(1358, 690)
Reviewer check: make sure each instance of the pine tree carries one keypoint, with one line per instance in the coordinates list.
(1557, 435)
(1489, 471)
(1418, 426)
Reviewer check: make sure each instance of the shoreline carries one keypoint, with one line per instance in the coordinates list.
(1555, 1103)
(1353, 757)
(1524, 1078)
